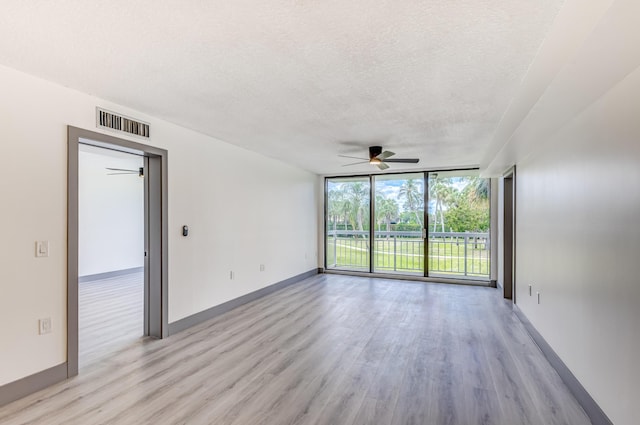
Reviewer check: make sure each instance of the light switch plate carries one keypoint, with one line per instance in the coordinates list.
(44, 326)
(42, 248)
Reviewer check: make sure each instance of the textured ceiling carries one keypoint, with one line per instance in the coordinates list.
(301, 81)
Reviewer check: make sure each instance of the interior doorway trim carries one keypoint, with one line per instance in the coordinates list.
(509, 235)
(156, 234)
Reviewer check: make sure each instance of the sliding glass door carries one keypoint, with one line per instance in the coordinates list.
(347, 223)
(399, 221)
(421, 224)
(459, 217)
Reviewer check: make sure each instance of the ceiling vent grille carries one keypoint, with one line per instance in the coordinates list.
(114, 122)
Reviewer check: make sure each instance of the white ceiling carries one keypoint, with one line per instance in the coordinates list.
(301, 81)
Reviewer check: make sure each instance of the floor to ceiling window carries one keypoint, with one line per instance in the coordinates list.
(399, 220)
(348, 218)
(382, 224)
(459, 217)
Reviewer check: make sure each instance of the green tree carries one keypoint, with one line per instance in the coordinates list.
(413, 195)
(442, 192)
(467, 217)
(478, 189)
(335, 199)
(357, 194)
(468, 209)
(386, 211)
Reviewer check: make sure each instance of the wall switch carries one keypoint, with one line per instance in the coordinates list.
(261, 267)
(44, 326)
(42, 248)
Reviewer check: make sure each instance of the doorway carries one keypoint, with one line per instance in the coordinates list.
(155, 235)
(111, 251)
(509, 256)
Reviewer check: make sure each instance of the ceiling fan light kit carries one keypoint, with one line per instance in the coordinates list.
(379, 158)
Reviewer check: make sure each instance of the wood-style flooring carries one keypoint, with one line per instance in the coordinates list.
(110, 316)
(329, 350)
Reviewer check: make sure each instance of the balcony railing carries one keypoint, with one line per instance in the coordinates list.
(449, 253)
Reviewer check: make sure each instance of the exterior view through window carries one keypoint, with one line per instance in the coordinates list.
(459, 217)
(348, 219)
(399, 212)
(451, 220)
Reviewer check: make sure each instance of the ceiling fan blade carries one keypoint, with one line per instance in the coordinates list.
(356, 163)
(404, 160)
(118, 174)
(121, 169)
(353, 157)
(139, 171)
(378, 157)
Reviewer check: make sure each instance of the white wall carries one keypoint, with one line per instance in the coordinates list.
(111, 212)
(578, 243)
(574, 135)
(243, 210)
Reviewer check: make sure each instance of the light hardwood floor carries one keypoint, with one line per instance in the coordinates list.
(110, 316)
(329, 350)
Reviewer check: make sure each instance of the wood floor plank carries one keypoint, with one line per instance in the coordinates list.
(328, 350)
(110, 316)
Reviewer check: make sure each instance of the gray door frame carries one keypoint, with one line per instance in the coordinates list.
(155, 231)
(509, 235)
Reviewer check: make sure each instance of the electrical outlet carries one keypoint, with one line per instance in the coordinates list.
(44, 326)
(261, 267)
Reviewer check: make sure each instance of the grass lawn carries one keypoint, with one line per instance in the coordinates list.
(446, 257)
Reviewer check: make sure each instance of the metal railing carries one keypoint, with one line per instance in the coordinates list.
(449, 253)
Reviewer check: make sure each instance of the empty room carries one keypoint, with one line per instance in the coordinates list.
(110, 251)
(290, 212)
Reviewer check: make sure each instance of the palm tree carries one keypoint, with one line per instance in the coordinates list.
(478, 188)
(413, 194)
(386, 211)
(358, 198)
(441, 191)
(335, 207)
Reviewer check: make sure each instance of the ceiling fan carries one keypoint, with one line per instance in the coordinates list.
(139, 171)
(380, 159)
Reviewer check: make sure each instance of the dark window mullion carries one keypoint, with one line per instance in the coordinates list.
(425, 222)
(372, 214)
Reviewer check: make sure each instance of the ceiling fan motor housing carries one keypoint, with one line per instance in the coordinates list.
(374, 151)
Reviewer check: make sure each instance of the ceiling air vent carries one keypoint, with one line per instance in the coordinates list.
(111, 121)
